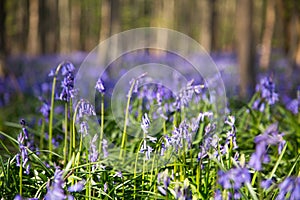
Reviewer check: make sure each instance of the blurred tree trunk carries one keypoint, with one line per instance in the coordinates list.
(208, 17)
(75, 25)
(110, 22)
(105, 20)
(268, 35)
(33, 34)
(289, 15)
(64, 26)
(245, 47)
(115, 17)
(49, 29)
(2, 37)
(295, 35)
(163, 17)
(297, 54)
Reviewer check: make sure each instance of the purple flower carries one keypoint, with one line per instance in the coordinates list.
(265, 184)
(145, 123)
(55, 191)
(291, 186)
(271, 136)
(293, 106)
(99, 86)
(18, 197)
(235, 178)
(104, 148)
(93, 152)
(45, 109)
(163, 178)
(185, 95)
(266, 88)
(118, 174)
(77, 187)
(146, 150)
(105, 187)
(67, 83)
(85, 109)
(24, 143)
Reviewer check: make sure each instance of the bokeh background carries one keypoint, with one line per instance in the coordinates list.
(256, 36)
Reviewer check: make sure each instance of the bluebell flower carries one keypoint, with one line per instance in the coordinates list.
(290, 186)
(271, 136)
(45, 109)
(293, 106)
(67, 84)
(145, 124)
(18, 197)
(184, 192)
(218, 195)
(84, 128)
(136, 82)
(185, 95)
(105, 187)
(55, 191)
(24, 143)
(118, 174)
(265, 184)
(234, 179)
(99, 86)
(85, 109)
(163, 182)
(266, 88)
(104, 148)
(231, 135)
(77, 187)
(93, 152)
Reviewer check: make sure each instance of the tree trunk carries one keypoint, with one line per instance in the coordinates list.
(245, 47)
(105, 20)
(64, 26)
(115, 17)
(268, 35)
(2, 37)
(297, 53)
(163, 17)
(75, 25)
(208, 15)
(49, 29)
(33, 35)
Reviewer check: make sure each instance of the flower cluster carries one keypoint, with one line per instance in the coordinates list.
(183, 192)
(234, 179)
(67, 84)
(266, 88)
(289, 188)
(56, 190)
(271, 136)
(185, 95)
(146, 149)
(163, 182)
(24, 144)
(93, 152)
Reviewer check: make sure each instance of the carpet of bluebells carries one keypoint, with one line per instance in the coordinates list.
(55, 153)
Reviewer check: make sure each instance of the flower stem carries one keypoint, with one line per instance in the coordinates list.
(42, 134)
(66, 134)
(52, 110)
(21, 177)
(124, 135)
(102, 123)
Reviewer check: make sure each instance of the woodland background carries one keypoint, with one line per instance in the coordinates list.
(257, 31)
